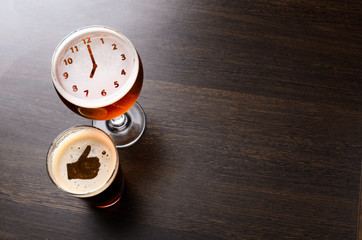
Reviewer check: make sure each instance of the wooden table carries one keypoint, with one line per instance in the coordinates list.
(254, 121)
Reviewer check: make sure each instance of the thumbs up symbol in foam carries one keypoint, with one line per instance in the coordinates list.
(85, 168)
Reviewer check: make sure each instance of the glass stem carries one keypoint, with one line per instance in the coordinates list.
(118, 124)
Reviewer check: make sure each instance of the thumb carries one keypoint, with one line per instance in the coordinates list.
(84, 154)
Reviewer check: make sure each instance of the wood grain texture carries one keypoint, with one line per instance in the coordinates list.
(253, 121)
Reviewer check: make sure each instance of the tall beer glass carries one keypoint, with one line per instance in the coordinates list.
(83, 162)
(98, 74)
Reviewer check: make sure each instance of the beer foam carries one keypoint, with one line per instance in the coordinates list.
(100, 91)
(69, 148)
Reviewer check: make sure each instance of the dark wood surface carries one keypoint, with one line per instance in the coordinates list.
(254, 121)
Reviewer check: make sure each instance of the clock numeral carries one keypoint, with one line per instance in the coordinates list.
(102, 40)
(86, 92)
(114, 46)
(65, 75)
(75, 88)
(123, 57)
(86, 40)
(104, 93)
(116, 84)
(69, 60)
(76, 49)
(123, 72)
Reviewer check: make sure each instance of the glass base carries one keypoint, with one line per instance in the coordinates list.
(126, 129)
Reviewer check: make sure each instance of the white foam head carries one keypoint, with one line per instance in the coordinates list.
(67, 149)
(117, 66)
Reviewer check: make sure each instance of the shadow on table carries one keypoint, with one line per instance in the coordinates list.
(127, 217)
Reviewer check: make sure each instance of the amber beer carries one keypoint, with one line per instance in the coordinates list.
(116, 109)
(97, 72)
(83, 162)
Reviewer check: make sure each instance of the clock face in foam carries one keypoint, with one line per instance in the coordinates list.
(94, 66)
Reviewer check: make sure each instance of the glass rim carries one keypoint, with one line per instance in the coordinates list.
(94, 103)
(95, 191)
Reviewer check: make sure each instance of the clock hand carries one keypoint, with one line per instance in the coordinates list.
(93, 61)
(93, 71)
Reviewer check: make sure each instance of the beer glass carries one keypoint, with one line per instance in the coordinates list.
(98, 74)
(83, 162)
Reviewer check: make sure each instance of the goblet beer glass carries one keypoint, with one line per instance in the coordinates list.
(98, 74)
(83, 161)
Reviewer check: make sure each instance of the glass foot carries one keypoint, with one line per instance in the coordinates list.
(126, 129)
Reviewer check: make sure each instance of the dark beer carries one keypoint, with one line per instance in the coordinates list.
(83, 161)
